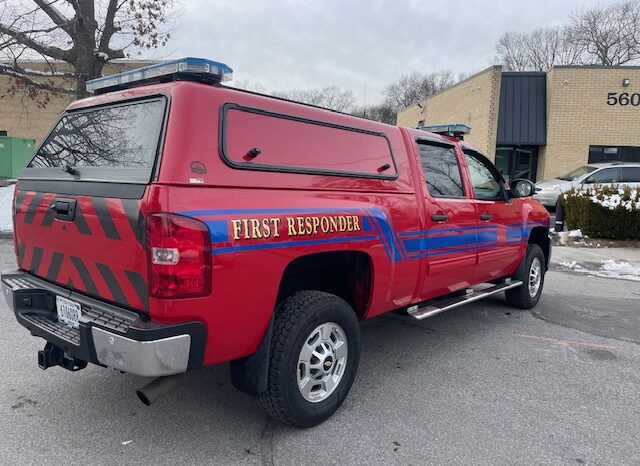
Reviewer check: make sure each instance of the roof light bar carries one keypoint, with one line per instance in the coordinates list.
(189, 68)
(453, 129)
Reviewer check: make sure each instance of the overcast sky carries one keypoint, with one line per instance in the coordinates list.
(285, 44)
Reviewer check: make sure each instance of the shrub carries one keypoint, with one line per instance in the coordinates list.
(604, 211)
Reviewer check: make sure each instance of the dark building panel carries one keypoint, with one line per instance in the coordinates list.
(522, 117)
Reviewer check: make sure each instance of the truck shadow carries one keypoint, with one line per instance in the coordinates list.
(207, 404)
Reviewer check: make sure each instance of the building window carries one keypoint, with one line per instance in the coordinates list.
(599, 154)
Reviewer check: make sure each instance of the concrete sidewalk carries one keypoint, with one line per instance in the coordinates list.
(560, 254)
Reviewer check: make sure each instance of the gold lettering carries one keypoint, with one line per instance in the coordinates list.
(276, 227)
(324, 224)
(255, 228)
(291, 223)
(266, 228)
(245, 223)
(349, 223)
(342, 223)
(236, 229)
(333, 221)
(356, 223)
(300, 225)
(316, 224)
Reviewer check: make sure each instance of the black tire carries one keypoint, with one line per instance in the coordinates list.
(521, 297)
(295, 318)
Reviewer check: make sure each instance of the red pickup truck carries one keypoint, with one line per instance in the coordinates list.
(169, 223)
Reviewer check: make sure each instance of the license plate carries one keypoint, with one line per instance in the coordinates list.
(69, 311)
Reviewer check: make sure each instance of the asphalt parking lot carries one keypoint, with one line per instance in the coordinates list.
(483, 384)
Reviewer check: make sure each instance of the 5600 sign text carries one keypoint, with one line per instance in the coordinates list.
(624, 98)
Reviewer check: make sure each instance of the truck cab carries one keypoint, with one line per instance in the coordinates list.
(170, 222)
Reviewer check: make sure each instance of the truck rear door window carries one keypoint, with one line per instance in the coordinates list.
(110, 143)
(441, 170)
(263, 140)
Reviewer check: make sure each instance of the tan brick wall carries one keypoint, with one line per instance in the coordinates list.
(474, 101)
(411, 116)
(578, 115)
(21, 117)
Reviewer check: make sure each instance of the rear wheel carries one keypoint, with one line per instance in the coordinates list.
(531, 274)
(314, 357)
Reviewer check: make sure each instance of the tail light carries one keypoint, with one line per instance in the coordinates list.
(179, 254)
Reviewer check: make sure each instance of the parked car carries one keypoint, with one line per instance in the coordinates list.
(548, 191)
(169, 223)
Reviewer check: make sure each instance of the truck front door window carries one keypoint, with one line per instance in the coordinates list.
(441, 170)
(486, 185)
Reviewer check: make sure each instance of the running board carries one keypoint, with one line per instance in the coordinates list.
(431, 308)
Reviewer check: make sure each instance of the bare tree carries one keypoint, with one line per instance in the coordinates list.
(74, 39)
(609, 35)
(415, 87)
(600, 35)
(512, 51)
(538, 50)
(382, 113)
(331, 97)
(251, 86)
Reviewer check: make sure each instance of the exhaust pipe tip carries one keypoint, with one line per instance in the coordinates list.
(159, 387)
(143, 397)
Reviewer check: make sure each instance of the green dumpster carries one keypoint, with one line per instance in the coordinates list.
(15, 153)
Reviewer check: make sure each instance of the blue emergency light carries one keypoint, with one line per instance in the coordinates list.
(189, 68)
(453, 129)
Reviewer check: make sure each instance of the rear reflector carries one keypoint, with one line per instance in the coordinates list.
(179, 256)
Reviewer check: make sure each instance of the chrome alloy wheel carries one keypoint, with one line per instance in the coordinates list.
(322, 362)
(535, 277)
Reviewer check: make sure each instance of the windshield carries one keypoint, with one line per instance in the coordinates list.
(577, 173)
(116, 143)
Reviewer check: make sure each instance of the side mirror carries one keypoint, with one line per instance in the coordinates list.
(522, 188)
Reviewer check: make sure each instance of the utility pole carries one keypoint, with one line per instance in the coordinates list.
(364, 107)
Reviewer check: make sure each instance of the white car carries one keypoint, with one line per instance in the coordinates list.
(619, 173)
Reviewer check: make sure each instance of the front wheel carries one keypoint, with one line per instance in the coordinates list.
(531, 274)
(315, 350)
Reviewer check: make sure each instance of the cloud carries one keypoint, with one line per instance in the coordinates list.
(284, 44)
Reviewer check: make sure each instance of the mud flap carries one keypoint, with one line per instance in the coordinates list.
(249, 375)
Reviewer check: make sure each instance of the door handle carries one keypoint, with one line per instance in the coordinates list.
(439, 217)
(63, 209)
(486, 217)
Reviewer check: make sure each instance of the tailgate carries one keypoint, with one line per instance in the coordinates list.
(98, 250)
(79, 203)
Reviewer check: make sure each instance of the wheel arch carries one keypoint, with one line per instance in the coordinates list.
(540, 236)
(347, 274)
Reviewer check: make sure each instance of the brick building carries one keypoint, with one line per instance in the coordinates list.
(21, 117)
(541, 125)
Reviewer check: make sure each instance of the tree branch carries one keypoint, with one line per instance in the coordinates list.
(9, 71)
(109, 26)
(53, 13)
(43, 74)
(21, 37)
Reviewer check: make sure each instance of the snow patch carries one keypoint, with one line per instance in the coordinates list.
(43, 73)
(573, 265)
(6, 202)
(610, 197)
(623, 270)
(608, 269)
(575, 234)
